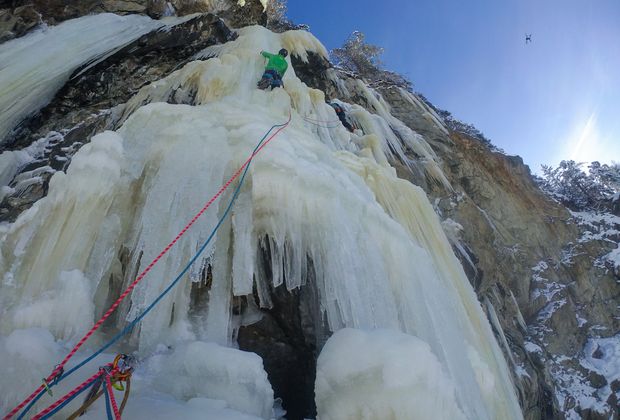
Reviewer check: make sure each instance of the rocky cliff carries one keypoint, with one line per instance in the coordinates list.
(540, 271)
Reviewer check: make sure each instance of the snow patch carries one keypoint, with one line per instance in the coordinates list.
(614, 258)
(532, 347)
(521, 372)
(602, 355)
(542, 286)
(547, 312)
(572, 391)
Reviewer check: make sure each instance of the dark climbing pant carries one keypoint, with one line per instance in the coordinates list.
(271, 78)
(343, 120)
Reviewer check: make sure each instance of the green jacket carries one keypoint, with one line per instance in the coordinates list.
(276, 62)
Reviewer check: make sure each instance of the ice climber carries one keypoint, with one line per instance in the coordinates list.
(341, 116)
(274, 70)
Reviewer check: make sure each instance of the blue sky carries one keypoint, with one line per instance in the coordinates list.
(553, 99)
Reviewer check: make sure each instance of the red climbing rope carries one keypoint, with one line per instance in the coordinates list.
(58, 370)
(108, 385)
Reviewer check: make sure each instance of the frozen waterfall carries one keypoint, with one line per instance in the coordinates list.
(325, 202)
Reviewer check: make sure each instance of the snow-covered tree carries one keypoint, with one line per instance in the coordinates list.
(277, 20)
(358, 56)
(276, 11)
(364, 59)
(580, 190)
(608, 176)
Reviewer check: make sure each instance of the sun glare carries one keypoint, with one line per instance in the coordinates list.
(584, 144)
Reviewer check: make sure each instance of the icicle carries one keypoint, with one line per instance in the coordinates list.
(408, 205)
(385, 125)
(332, 75)
(519, 316)
(244, 247)
(498, 327)
(12, 161)
(169, 10)
(300, 43)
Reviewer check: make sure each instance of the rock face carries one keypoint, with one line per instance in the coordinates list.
(16, 22)
(17, 17)
(540, 272)
(54, 11)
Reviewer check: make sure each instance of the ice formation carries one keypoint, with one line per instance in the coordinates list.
(324, 202)
(34, 67)
(205, 369)
(382, 374)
